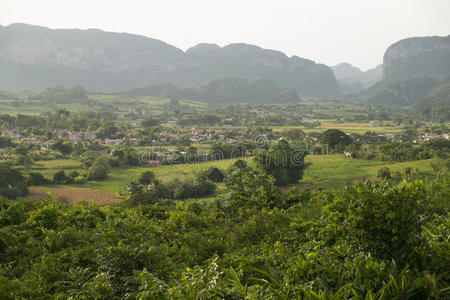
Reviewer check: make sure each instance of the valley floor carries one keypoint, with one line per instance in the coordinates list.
(326, 172)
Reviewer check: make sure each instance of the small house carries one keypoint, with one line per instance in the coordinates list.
(154, 162)
(214, 174)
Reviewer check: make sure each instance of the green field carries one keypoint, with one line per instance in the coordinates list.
(119, 103)
(326, 172)
(336, 171)
(359, 128)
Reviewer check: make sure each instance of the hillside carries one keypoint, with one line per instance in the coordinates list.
(404, 92)
(33, 58)
(224, 90)
(436, 105)
(61, 94)
(440, 95)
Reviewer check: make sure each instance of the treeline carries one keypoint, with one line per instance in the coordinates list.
(45, 125)
(61, 94)
(150, 190)
(225, 90)
(405, 152)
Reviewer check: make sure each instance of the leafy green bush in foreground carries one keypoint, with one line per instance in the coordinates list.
(370, 241)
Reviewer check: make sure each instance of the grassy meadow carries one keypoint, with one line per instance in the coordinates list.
(347, 127)
(120, 103)
(326, 172)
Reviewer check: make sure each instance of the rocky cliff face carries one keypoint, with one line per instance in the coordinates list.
(81, 49)
(419, 56)
(33, 57)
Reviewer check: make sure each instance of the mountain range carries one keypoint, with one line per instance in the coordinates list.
(34, 57)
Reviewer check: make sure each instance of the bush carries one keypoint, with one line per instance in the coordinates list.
(192, 188)
(175, 189)
(353, 243)
(99, 170)
(80, 180)
(284, 163)
(408, 170)
(59, 177)
(37, 179)
(74, 174)
(12, 183)
(384, 173)
(146, 177)
(383, 219)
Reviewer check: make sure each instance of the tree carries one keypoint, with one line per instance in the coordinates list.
(127, 156)
(99, 170)
(107, 131)
(146, 177)
(12, 183)
(384, 173)
(65, 147)
(221, 150)
(5, 142)
(296, 134)
(283, 162)
(238, 164)
(59, 177)
(335, 137)
(79, 180)
(250, 187)
(150, 122)
(36, 179)
(409, 135)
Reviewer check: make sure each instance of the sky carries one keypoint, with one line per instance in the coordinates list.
(326, 31)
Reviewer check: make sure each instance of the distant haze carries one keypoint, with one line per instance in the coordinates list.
(327, 31)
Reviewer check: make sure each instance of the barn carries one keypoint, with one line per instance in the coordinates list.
(214, 174)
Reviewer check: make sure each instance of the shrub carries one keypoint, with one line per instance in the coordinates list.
(146, 177)
(408, 170)
(74, 174)
(36, 179)
(192, 188)
(284, 163)
(59, 177)
(99, 170)
(80, 180)
(382, 219)
(12, 183)
(384, 173)
(97, 173)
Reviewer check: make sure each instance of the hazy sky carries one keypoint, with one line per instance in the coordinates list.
(327, 31)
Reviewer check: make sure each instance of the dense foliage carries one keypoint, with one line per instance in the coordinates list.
(372, 241)
(398, 152)
(12, 183)
(335, 138)
(149, 190)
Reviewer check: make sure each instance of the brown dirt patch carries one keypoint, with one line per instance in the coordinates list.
(37, 194)
(89, 195)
